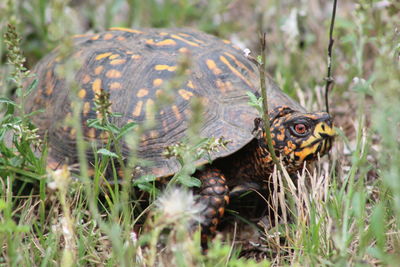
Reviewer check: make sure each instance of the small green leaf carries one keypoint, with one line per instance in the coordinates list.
(107, 152)
(7, 101)
(189, 181)
(31, 87)
(125, 129)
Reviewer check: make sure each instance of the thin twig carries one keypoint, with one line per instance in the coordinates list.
(261, 65)
(329, 78)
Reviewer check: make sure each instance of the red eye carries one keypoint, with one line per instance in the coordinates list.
(300, 128)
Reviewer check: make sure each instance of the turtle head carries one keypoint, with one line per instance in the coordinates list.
(298, 137)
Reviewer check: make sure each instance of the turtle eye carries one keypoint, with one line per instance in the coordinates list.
(300, 128)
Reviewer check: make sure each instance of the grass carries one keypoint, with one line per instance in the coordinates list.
(345, 211)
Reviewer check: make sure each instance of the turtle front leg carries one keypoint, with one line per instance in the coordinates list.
(214, 194)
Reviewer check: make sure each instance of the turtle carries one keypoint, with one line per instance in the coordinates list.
(136, 66)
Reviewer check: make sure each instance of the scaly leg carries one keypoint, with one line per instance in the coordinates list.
(214, 195)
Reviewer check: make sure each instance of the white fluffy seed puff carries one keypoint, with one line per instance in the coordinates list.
(179, 204)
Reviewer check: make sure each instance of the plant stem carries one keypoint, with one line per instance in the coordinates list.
(265, 115)
(329, 78)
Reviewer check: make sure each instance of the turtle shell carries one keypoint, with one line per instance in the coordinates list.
(135, 67)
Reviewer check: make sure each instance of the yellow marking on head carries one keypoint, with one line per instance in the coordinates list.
(136, 56)
(190, 84)
(304, 152)
(115, 86)
(213, 67)
(235, 71)
(91, 133)
(165, 42)
(185, 94)
(114, 56)
(86, 79)
(142, 92)
(317, 130)
(96, 86)
(118, 61)
(125, 30)
(178, 115)
(157, 82)
(237, 62)
(165, 67)
(113, 74)
(184, 40)
(138, 109)
(108, 36)
(98, 70)
(86, 108)
(95, 37)
(103, 55)
(82, 93)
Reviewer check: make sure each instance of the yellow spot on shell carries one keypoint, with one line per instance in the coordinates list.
(142, 92)
(125, 30)
(114, 56)
(103, 55)
(135, 56)
(115, 86)
(138, 109)
(86, 79)
(184, 40)
(163, 33)
(165, 67)
(226, 41)
(213, 67)
(80, 35)
(86, 108)
(72, 133)
(98, 70)
(82, 93)
(190, 84)
(91, 133)
(235, 71)
(176, 112)
(165, 42)
(158, 93)
(121, 38)
(117, 61)
(149, 108)
(153, 134)
(113, 74)
(95, 37)
(96, 86)
(183, 50)
(49, 89)
(157, 82)
(108, 36)
(237, 62)
(185, 94)
(104, 136)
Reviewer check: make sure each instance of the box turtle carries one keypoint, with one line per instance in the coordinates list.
(135, 67)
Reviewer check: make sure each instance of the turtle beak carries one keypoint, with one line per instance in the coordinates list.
(325, 132)
(320, 140)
